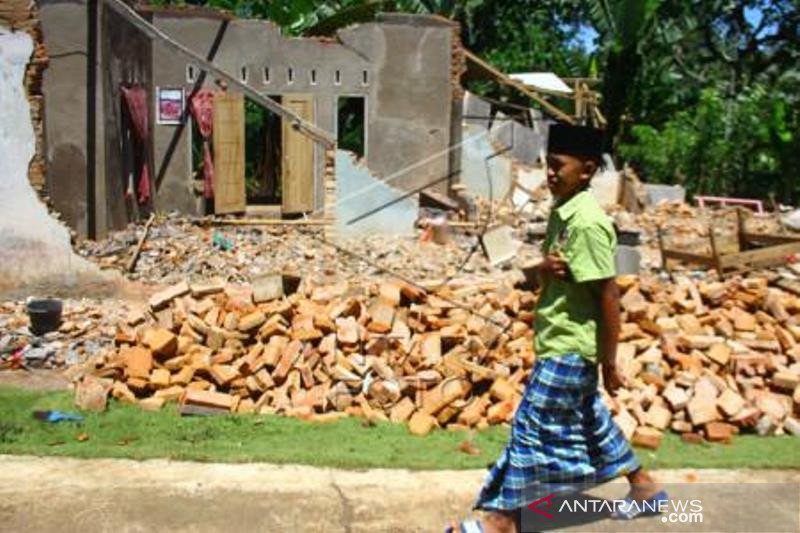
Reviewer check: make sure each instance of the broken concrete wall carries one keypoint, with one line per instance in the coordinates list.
(486, 174)
(35, 251)
(500, 150)
(120, 68)
(366, 205)
(65, 34)
(270, 63)
(407, 122)
(402, 65)
(23, 15)
(655, 193)
(526, 145)
(410, 97)
(606, 184)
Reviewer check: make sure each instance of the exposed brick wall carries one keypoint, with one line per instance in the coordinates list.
(23, 15)
(329, 209)
(458, 64)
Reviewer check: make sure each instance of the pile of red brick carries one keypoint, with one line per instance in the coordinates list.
(707, 358)
(701, 358)
(386, 352)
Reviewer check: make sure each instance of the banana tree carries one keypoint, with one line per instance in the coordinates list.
(623, 25)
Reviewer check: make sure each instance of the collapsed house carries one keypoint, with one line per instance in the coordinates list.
(143, 131)
(394, 78)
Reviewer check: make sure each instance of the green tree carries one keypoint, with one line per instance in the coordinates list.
(624, 26)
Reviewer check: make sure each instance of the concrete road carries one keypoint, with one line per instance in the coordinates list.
(53, 494)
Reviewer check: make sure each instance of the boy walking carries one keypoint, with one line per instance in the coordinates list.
(562, 432)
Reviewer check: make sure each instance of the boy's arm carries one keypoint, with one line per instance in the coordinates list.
(552, 265)
(608, 333)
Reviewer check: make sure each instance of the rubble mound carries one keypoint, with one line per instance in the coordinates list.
(706, 359)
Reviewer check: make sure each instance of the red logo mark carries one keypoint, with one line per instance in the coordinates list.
(549, 500)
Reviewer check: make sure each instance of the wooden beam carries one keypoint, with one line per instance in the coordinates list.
(769, 238)
(688, 257)
(304, 127)
(131, 266)
(761, 257)
(262, 222)
(503, 78)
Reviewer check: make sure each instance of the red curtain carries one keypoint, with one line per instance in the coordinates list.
(135, 99)
(202, 107)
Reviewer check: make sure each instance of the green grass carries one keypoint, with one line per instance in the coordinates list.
(127, 432)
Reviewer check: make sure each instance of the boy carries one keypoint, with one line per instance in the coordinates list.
(562, 433)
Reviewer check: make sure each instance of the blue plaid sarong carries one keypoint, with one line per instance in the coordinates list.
(562, 435)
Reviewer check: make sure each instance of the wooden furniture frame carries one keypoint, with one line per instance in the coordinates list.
(756, 250)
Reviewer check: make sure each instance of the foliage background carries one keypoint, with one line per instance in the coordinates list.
(698, 92)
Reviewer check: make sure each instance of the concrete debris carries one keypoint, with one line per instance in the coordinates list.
(792, 220)
(87, 329)
(177, 250)
(499, 244)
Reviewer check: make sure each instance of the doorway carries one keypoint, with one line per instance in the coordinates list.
(351, 129)
(262, 154)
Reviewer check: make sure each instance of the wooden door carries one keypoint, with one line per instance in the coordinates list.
(228, 136)
(297, 194)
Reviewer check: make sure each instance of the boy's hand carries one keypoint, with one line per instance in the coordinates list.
(554, 265)
(612, 378)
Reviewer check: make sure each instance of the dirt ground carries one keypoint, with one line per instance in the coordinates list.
(41, 379)
(52, 494)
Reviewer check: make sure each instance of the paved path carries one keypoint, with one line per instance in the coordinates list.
(57, 494)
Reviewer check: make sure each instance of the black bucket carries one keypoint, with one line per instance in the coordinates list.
(629, 238)
(45, 315)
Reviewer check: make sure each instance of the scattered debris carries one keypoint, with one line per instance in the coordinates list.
(177, 249)
(54, 417)
(88, 327)
(91, 394)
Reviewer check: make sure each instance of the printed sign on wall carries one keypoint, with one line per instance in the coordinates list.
(170, 105)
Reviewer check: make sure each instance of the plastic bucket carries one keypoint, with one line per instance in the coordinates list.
(629, 238)
(45, 315)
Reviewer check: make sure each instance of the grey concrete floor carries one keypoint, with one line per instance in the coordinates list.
(56, 494)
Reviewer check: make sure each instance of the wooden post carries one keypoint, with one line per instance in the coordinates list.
(660, 234)
(715, 252)
(741, 232)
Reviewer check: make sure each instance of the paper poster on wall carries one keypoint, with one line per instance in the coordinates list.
(170, 105)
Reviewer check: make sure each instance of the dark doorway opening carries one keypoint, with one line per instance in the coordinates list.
(262, 154)
(351, 129)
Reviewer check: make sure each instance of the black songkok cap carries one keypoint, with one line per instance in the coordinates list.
(575, 140)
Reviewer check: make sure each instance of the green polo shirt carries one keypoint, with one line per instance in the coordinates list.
(568, 311)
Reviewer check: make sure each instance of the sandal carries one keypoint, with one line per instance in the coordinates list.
(466, 526)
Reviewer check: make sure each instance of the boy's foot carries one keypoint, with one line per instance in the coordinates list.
(492, 523)
(633, 508)
(467, 526)
(643, 486)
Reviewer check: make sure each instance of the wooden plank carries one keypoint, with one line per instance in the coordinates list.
(761, 257)
(135, 257)
(229, 189)
(298, 158)
(233, 82)
(264, 222)
(767, 239)
(688, 257)
(503, 78)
